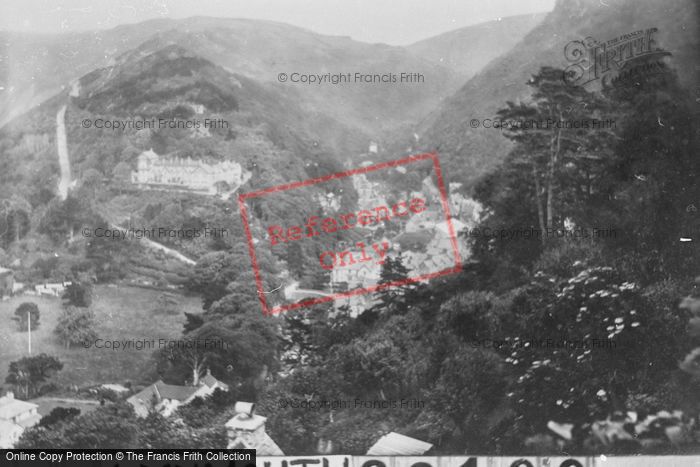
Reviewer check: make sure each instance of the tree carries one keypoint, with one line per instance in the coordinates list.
(394, 298)
(14, 219)
(295, 259)
(470, 389)
(109, 427)
(27, 311)
(547, 138)
(76, 325)
(192, 322)
(652, 178)
(78, 294)
(109, 258)
(293, 427)
(115, 426)
(121, 176)
(90, 182)
(212, 274)
(302, 334)
(27, 373)
(184, 363)
(235, 344)
(158, 432)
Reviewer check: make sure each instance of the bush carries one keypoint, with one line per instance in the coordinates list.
(57, 415)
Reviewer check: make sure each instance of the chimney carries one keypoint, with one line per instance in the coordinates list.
(246, 426)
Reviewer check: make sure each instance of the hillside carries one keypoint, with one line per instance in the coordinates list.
(36, 66)
(470, 152)
(33, 67)
(468, 50)
(267, 133)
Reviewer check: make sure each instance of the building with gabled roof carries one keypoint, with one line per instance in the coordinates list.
(166, 398)
(213, 383)
(178, 173)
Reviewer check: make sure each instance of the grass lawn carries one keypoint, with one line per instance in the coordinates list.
(123, 313)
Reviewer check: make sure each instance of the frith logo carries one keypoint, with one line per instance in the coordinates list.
(614, 62)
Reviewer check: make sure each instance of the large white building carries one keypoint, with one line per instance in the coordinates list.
(186, 174)
(15, 416)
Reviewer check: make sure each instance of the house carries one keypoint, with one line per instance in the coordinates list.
(166, 398)
(15, 416)
(7, 281)
(246, 430)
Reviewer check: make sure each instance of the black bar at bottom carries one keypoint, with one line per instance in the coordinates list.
(128, 457)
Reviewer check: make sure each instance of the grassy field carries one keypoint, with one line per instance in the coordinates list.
(122, 313)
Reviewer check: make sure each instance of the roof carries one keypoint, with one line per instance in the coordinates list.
(395, 444)
(165, 391)
(245, 422)
(10, 408)
(210, 381)
(5, 270)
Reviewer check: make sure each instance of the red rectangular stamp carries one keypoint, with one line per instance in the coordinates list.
(336, 254)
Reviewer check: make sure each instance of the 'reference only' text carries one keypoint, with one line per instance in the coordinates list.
(314, 226)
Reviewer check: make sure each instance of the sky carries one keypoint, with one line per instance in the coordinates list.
(395, 22)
